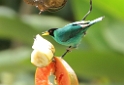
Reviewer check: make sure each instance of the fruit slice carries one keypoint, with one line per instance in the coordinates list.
(43, 52)
(42, 74)
(63, 72)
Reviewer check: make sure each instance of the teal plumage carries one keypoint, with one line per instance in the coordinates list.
(71, 34)
(68, 35)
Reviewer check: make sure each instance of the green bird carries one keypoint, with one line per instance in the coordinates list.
(71, 34)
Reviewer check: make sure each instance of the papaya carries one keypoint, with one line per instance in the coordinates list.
(64, 74)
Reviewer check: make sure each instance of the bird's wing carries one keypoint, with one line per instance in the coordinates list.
(68, 32)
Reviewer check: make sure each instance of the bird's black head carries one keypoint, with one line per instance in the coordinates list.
(51, 31)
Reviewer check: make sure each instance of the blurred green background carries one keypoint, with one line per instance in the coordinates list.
(99, 60)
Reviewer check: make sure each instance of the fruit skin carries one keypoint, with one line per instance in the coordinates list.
(64, 74)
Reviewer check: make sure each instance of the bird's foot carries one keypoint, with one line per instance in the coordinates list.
(69, 49)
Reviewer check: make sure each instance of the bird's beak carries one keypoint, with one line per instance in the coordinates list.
(45, 33)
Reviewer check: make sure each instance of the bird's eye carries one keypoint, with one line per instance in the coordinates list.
(50, 31)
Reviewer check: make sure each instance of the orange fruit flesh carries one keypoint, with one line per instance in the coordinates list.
(42, 74)
(63, 72)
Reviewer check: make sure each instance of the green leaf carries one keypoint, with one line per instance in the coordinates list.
(24, 28)
(12, 27)
(111, 8)
(11, 58)
(114, 36)
(94, 64)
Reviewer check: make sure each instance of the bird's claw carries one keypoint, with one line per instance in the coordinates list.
(69, 49)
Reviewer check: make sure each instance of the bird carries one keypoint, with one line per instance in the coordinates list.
(71, 34)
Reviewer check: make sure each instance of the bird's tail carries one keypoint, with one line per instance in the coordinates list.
(86, 24)
(96, 20)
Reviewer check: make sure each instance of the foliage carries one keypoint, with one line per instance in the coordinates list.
(99, 58)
